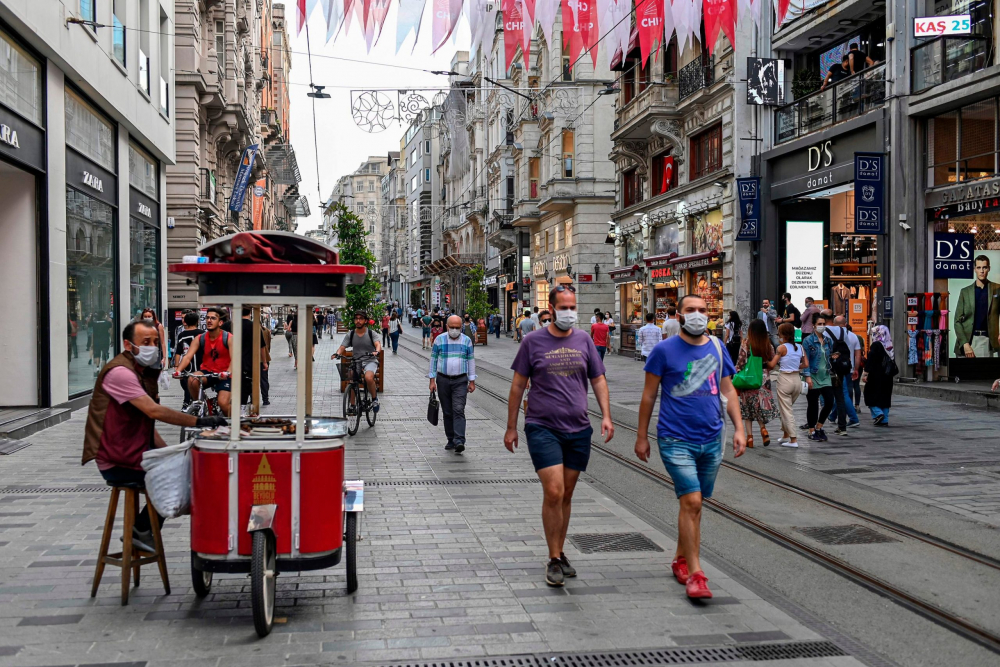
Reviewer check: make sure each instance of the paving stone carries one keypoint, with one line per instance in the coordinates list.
(51, 620)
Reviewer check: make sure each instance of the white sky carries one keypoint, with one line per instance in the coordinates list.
(343, 146)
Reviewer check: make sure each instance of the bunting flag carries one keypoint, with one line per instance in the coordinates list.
(649, 22)
(571, 37)
(349, 5)
(333, 11)
(300, 13)
(446, 15)
(527, 23)
(380, 10)
(513, 26)
(545, 15)
(668, 21)
(623, 24)
(719, 14)
(410, 14)
(781, 10)
(755, 10)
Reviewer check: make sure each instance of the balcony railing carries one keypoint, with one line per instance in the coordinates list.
(846, 99)
(697, 74)
(947, 58)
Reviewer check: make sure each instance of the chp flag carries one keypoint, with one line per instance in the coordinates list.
(242, 178)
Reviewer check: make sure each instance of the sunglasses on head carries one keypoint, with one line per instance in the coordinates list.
(565, 288)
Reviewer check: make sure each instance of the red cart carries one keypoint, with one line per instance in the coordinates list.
(270, 496)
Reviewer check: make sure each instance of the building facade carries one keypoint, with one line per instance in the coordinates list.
(361, 193)
(86, 132)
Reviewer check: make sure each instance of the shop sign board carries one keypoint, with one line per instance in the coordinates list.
(748, 191)
(869, 192)
(489, 281)
(699, 263)
(804, 259)
(560, 262)
(585, 278)
(935, 26)
(953, 255)
(818, 164)
(538, 268)
(21, 140)
(887, 308)
(242, 179)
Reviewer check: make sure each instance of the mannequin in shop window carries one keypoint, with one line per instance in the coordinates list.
(840, 293)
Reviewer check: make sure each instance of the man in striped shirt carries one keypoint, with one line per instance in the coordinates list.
(453, 376)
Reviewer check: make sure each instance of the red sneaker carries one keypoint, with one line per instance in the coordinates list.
(680, 568)
(697, 586)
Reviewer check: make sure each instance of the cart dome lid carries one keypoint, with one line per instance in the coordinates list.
(269, 247)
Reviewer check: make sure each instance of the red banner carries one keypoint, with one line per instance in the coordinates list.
(668, 173)
(579, 19)
(527, 17)
(719, 14)
(513, 27)
(782, 10)
(649, 21)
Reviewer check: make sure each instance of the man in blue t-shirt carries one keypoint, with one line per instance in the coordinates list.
(695, 371)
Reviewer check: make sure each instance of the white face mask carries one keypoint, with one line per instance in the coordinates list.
(820, 328)
(694, 323)
(454, 333)
(146, 355)
(565, 319)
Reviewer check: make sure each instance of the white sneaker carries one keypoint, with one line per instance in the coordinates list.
(788, 443)
(783, 440)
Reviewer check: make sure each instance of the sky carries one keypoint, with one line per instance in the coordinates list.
(342, 145)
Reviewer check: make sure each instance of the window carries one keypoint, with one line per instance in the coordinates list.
(88, 132)
(533, 178)
(141, 172)
(566, 63)
(670, 61)
(144, 47)
(635, 79)
(117, 31)
(413, 184)
(371, 186)
(555, 237)
(542, 295)
(568, 232)
(567, 154)
(420, 149)
(548, 241)
(427, 175)
(427, 147)
(164, 67)
(538, 243)
(706, 152)
(962, 144)
(631, 190)
(664, 173)
(20, 81)
(88, 10)
(220, 47)
(509, 195)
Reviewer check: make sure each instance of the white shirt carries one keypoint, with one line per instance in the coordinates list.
(534, 318)
(648, 336)
(593, 319)
(833, 332)
(671, 327)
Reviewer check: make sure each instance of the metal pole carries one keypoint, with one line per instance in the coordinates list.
(255, 342)
(236, 371)
(303, 329)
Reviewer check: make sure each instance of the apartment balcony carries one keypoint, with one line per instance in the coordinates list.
(452, 220)
(500, 231)
(455, 261)
(846, 99)
(696, 76)
(282, 165)
(635, 118)
(948, 58)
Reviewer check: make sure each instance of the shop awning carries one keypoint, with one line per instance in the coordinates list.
(660, 260)
(625, 275)
(618, 60)
(697, 261)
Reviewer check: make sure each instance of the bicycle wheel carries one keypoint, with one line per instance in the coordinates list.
(195, 408)
(352, 414)
(370, 413)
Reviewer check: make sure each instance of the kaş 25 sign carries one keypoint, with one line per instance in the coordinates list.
(933, 26)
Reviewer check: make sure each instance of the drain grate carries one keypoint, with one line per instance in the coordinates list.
(667, 656)
(846, 471)
(850, 534)
(53, 489)
(593, 543)
(451, 482)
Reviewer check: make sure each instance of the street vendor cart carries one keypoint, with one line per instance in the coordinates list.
(270, 496)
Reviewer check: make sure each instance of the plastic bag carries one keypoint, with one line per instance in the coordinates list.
(164, 379)
(168, 478)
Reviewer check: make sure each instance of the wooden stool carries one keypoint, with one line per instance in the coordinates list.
(129, 559)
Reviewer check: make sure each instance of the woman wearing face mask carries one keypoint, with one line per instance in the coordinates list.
(757, 405)
(148, 317)
(790, 359)
(819, 379)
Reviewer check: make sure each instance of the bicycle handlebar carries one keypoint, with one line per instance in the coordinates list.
(225, 375)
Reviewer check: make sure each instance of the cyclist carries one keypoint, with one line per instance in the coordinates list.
(212, 348)
(363, 342)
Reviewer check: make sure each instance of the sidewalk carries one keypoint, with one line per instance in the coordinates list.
(451, 562)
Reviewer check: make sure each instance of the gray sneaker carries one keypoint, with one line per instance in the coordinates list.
(568, 570)
(554, 573)
(141, 540)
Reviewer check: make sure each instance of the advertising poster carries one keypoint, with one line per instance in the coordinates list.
(804, 260)
(964, 311)
(765, 81)
(869, 191)
(258, 202)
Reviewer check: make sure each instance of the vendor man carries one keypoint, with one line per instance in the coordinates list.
(123, 409)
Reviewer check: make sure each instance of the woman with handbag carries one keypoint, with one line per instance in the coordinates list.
(820, 379)
(753, 383)
(879, 371)
(790, 360)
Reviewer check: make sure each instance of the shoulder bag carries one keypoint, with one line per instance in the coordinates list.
(432, 409)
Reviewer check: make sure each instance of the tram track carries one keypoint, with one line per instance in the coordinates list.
(947, 619)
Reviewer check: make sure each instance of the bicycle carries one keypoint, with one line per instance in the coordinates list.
(204, 405)
(356, 397)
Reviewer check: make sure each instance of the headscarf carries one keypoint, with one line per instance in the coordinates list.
(880, 334)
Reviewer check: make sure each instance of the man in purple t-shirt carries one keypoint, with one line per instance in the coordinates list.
(559, 360)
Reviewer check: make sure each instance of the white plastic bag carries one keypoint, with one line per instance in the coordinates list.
(164, 379)
(168, 478)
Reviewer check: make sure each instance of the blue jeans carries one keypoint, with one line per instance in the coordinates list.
(692, 467)
(496, 330)
(602, 350)
(880, 411)
(394, 337)
(852, 414)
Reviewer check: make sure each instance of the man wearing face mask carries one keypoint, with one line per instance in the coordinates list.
(122, 414)
(453, 377)
(695, 371)
(559, 360)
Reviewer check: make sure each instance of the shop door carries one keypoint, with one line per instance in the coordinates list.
(19, 296)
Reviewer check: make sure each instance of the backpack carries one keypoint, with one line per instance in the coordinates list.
(350, 338)
(842, 364)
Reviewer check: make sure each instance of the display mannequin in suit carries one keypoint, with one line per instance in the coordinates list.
(841, 293)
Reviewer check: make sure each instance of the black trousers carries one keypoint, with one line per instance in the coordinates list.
(829, 394)
(123, 475)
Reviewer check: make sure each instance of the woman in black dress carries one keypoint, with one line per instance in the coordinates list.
(878, 375)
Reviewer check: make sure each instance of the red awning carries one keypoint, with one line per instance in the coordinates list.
(695, 261)
(660, 260)
(623, 270)
(617, 61)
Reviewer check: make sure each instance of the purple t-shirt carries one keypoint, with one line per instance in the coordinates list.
(559, 369)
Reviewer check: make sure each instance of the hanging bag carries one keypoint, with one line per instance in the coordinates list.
(432, 409)
(752, 375)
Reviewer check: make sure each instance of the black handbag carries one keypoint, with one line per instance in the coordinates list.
(432, 409)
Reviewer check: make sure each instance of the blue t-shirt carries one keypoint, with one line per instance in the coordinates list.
(689, 378)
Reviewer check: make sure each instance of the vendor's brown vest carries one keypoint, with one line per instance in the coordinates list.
(129, 422)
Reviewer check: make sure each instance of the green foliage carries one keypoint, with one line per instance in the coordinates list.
(806, 81)
(477, 302)
(353, 249)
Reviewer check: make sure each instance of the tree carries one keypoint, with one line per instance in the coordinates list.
(477, 302)
(353, 249)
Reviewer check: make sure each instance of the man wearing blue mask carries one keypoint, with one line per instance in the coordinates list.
(122, 416)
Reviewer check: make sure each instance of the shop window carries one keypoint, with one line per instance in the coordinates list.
(631, 188)
(88, 132)
(664, 173)
(533, 178)
(962, 145)
(542, 295)
(670, 60)
(141, 172)
(706, 235)
(118, 32)
(20, 81)
(567, 154)
(143, 263)
(635, 79)
(706, 152)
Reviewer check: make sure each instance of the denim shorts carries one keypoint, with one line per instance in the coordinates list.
(549, 447)
(692, 467)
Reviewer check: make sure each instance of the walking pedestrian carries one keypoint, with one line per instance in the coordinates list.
(647, 337)
(854, 391)
(732, 334)
(425, 322)
(148, 316)
(101, 344)
(534, 316)
(395, 330)
(72, 328)
(695, 372)
(846, 348)
(385, 329)
(453, 377)
(807, 316)
(469, 328)
(544, 318)
(790, 359)
(599, 333)
(528, 324)
(288, 333)
(769, 317)
(878, 375)
(789, 313)
(318, 323)
(757, 405)
(497, 324)
(598, 316)
(820, 379)
(559, 360)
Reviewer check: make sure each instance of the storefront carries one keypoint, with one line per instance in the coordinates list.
(665, 284)
(702, 276)
(492, 295)
(628, 282)
(144, 232)
(22, 220)
(811, 247)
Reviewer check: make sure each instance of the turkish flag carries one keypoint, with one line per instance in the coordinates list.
(668, 172)
(719, 14)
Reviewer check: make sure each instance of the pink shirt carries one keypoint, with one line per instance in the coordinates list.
(122, 386)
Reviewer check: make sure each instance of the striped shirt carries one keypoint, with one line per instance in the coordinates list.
(452, 357)
(647, 337)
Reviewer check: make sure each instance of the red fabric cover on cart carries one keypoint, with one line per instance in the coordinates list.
(265, 479)
(209, 502)
(261, 249)
(321, 501)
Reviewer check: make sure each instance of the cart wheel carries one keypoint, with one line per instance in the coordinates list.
(262, 582)
(351, 543)
(201, 580)
(353, 420)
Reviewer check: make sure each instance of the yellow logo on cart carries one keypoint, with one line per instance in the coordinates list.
(264, 484)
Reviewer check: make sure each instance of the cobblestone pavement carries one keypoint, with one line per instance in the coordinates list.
(941, 454)
(450, 562)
